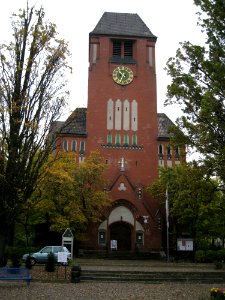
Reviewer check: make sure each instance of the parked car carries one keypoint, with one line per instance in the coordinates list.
(41, 256)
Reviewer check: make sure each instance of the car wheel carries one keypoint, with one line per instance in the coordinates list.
(32, 261)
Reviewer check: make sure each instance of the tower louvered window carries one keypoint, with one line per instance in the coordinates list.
(122, 51)
(116, 49)
(128, 49)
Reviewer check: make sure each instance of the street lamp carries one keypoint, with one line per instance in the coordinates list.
(167, 224)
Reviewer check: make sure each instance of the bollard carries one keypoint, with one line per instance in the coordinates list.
(75, 274)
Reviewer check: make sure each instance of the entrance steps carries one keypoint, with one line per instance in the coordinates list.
(120, 255)
(133, 256)
(151, 277)
(148, 271)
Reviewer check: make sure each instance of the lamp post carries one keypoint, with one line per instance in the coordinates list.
(167, 224)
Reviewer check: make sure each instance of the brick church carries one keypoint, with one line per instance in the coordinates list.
(121, 121)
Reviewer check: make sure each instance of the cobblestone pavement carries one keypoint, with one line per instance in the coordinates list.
(103, 291)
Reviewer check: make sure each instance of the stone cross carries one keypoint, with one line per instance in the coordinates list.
(122, 164)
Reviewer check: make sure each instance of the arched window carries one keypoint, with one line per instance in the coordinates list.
(65, 145)
(169, 155)
(160, 150)
(160, 155)
(82, 146)
(126, 139)
(177, 152)
(134, 139)
(109, 138)
(74, 146)
(117, 139)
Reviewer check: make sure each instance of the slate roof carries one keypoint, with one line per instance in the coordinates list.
(122, 24)
(163, 125)
(76, 124)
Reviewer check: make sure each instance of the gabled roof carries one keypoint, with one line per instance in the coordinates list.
(164, 123)
(122, 24)
(76, 123)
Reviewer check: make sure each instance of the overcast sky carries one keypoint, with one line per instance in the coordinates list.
(171, 21)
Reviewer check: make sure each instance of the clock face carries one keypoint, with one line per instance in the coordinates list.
(123, 75)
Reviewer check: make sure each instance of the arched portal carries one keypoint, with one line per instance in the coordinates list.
(121, 232)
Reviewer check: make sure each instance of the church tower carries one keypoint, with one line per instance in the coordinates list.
(122, 125)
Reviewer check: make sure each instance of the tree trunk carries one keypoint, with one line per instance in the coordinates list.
(4, 235)
(3, 244)
(11, 234)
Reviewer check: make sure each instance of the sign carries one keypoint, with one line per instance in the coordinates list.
(113, 244)
(62, 257)
(185, 245)
(67, 240)
(68, 234)
(101, 238)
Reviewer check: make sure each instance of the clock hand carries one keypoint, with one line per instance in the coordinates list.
(122, 75)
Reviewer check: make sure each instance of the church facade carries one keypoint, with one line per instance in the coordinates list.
(121, 122)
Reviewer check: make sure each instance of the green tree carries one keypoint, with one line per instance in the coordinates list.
(32, 95)
(195, 203)
(70, 194)
(198, 85)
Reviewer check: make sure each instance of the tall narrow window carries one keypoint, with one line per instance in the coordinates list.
(65, 145)
(177, 151)
(109, 138)
(161, 155)
(126, 139)
(117, 47)
(117, 138)
(128, 49)
(118, 115)
(82, 146)
(150, 56)
(94, 53)
(160, 151)
(110, 112)
(134, 139)
(177, 154)
(169, 156)
(74, 146)
(126, 115)
(134, 112)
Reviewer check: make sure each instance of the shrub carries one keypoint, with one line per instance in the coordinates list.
(219, 265)
(220, 255)
(200, 256)
(210, 256)
(217, 294)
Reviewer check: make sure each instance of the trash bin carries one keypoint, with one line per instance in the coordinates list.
(75, 274)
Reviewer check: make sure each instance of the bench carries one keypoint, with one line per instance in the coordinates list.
(15, 274)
